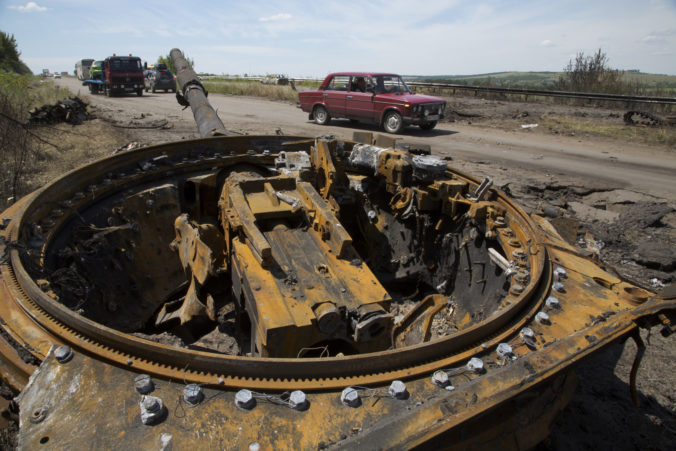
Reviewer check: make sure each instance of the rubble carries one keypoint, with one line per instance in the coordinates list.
(72, 111)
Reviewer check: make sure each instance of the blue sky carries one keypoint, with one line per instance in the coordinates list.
(313, 38)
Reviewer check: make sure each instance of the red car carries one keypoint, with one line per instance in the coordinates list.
(382, 99)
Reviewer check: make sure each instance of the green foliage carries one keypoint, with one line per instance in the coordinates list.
(9, 55)
(170, 64)
(591, 74)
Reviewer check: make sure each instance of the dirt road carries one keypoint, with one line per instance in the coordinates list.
(643, 169)
(625, 194)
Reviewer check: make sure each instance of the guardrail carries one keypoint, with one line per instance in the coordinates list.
(535, 92)
(514, 91)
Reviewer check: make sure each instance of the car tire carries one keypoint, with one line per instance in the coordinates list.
(321, 116)
(393, 122)
(139, 92)
(428, 125)
(354, 121)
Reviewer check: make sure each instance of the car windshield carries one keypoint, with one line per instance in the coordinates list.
(125, 65)
(390, 84)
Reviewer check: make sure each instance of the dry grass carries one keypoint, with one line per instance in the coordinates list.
(662, 136)
(254, 89)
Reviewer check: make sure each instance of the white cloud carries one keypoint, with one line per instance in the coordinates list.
(30, 7)
(276, 17)
(547, 43)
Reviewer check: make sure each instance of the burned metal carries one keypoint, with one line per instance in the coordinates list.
(291, 292)
(72, 111)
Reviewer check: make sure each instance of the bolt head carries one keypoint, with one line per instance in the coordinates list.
(397, 389)
(475, 365)
(152, 410)
(560, 273)
(350, 397)
(297, 399)
(542, 318)
(504, 350)
(552, 302)
(143, 384)
(440, 378)
(558, 286)
(63, 354)
(244, 399)
(527, 332)
(192, 394)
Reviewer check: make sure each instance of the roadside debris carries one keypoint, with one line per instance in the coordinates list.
(642, 118)
(529, 125)
(131, 146)
(73, 111)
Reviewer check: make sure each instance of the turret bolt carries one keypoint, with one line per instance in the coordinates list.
(143, 384)
(192, 394)
(297, 400)
(350, 397)
(398, 390)
(245, 399)
(542, 318)
(63, 354)
(152, 410)
(476, 365)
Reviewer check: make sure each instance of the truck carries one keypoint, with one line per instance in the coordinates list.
(120, 74)
(82, 68)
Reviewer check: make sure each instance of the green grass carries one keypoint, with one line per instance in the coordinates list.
(251, 88)
(664, 136)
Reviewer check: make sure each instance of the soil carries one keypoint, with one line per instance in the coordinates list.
(615, 197)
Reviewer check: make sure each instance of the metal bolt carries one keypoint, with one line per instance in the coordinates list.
(63, 354)
(244, 399)
(254, 446)
(542, 318)
(297, 400)
(516, 289)
(143, 384)
(266, 152)
(558, 286)
(192, 394)
(350, 397)
(440, 378)
(372, 215)
(476, 365)
(152, 409)
(504, 351)
(560, 273)
(552, 302)
(397, 389)
(528, 336)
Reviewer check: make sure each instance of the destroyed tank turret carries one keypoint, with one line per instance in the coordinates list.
(294, 292)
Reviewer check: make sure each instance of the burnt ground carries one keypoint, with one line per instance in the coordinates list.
(632, 230)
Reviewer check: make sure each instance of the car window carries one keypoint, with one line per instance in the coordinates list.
(338, 83)
(390, 83)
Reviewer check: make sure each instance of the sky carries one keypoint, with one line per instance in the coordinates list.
(303, 38)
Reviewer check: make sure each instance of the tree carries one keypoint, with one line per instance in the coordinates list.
(9, 55)
(591, 74)
(170, 64)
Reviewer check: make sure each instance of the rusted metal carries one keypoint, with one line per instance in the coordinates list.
(324, 264)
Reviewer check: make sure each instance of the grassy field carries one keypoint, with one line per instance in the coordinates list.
(252, 88)
(547, 80)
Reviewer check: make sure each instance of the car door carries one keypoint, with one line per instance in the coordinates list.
(335, 93)
(360, 104)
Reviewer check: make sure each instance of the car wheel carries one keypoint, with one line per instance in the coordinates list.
(393, 123)
(354, 121)
(428, 125)
(321, 115)
(139, 92)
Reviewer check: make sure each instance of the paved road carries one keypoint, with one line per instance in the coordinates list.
(648, 170)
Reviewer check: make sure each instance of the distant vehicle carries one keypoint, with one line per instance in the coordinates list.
(278, 79)
(57, 75)
(376, 98)
(82, 69)
(120, 74)
(159, 77)
(45, 72)
(96, 70)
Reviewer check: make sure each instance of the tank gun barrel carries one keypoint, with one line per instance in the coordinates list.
(192, 93)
